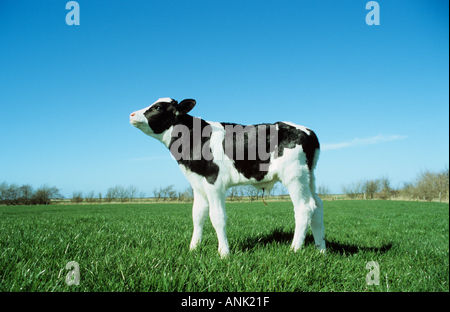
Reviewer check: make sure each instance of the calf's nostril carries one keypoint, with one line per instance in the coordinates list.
(132, 115)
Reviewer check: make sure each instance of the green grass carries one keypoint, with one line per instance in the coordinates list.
(139, 247)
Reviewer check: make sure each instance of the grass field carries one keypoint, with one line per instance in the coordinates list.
(139, 247)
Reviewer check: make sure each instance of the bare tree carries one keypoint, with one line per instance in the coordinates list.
(13, 194)
(77, 197)
(157, 193)
(110, 195)
(251, 192)
(168, 192)
(122, 193)
(385, 188)
(241, 192)
(232, 192)
(408, 189)
(99, 197)
(3, 192)
(353, 189)
(132, 192)
(45, 194)
(26, 194)
(429, 184)
(90, 197)
(171, 193)
(370, 187)
(180, 195)
(163, 192)
(323, 189)
(189, 193)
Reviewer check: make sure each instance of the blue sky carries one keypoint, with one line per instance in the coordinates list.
(376, 96)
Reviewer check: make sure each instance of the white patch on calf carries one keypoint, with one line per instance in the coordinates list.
(303, 128)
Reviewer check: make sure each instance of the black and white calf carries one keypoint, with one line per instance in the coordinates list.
(215, 156)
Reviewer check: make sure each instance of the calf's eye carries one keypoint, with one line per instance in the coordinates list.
(158, 108)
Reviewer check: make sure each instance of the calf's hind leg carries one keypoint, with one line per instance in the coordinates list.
(317, 226)
(304, 205)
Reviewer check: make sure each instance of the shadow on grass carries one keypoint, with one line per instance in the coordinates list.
(279, 236)
(347, 249)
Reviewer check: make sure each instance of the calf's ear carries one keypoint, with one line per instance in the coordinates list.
(185, 106)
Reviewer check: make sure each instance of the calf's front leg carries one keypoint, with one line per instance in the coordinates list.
(218, 217)
(199, 214)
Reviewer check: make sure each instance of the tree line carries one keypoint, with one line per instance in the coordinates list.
(117, 193)
(13, 194)
(233, 193)
(427, 185)
(169, 193)
(123, 194)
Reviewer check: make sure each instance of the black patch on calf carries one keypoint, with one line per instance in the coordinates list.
(161, 116)
(288, 137)
(250, 168)
(199, 165)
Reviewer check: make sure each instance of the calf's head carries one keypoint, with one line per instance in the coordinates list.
(160, 116)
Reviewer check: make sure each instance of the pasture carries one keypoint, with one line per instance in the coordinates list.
(145, 247)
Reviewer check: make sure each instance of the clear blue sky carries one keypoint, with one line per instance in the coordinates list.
(377, 96)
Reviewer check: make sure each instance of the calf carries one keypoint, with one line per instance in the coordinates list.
(215, 156)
